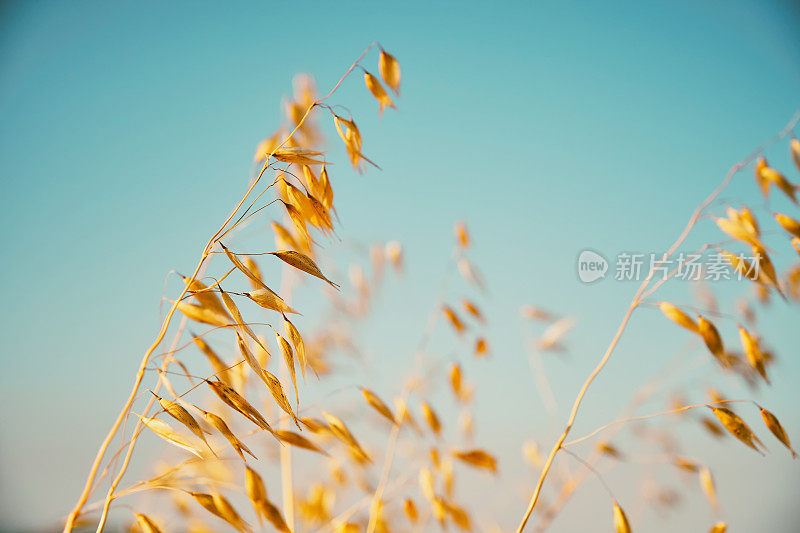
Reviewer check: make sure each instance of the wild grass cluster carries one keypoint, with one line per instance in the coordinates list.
(227, 392)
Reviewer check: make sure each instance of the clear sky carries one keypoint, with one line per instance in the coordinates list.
(127, 132)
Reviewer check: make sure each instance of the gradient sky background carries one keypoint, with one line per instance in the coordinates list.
(127, 132)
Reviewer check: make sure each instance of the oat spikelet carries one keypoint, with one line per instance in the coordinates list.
(226, 432)
(254, 487)
(378, 404)
(221, 370)
(459, 516)
(621, 524)
(300, 441)
(455, 379)
(686, 464)
(276, 390)
(390, 70)
(481, 347)
(404, 415)
(737, 427)
(426, 483)
(766, 270)
(477, 458)
(315, 425)
(288, 357)
(607, 449)
(341, 432)
(712, 427)
(741, 265)
(378, 92)
(283, 237)
(551, 338)
(531, 312)
(266, 146)
(302, 262)
(707, 484)
(678, 316)
(794, 150)
(271, 513)
(233, 400)
(740, 227)
(410, 509)
(207, 502)
(147, 524)
(297, 342)
(230, 305)
(711, 337)
(297, 155)
(452, 317)
(788, 223)
(228, 513)
(430, 417)
(473, 310)
(182, 415)
(252, 266)
(349, 133)
(204, 315)
(251, 360)
(163, 430)
(462, 235)
(719, 527)
(766, 176)
(204, 297)
(266, 298)
(255, 279)
(753, 353)
(394, 253)
(772, 423)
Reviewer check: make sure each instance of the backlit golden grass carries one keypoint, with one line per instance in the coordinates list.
(227, 394)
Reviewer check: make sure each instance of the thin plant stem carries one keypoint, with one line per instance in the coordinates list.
(645, 417)
(634, 304)
(74, 513)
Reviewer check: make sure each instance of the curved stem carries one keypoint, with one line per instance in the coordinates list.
(73, 515)
(646, 417)
(136, 431)
(634, 303)
(575, 406)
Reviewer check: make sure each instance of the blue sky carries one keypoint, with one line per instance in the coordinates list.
(128, 129)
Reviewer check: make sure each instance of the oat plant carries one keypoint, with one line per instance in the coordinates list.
(229, 394)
